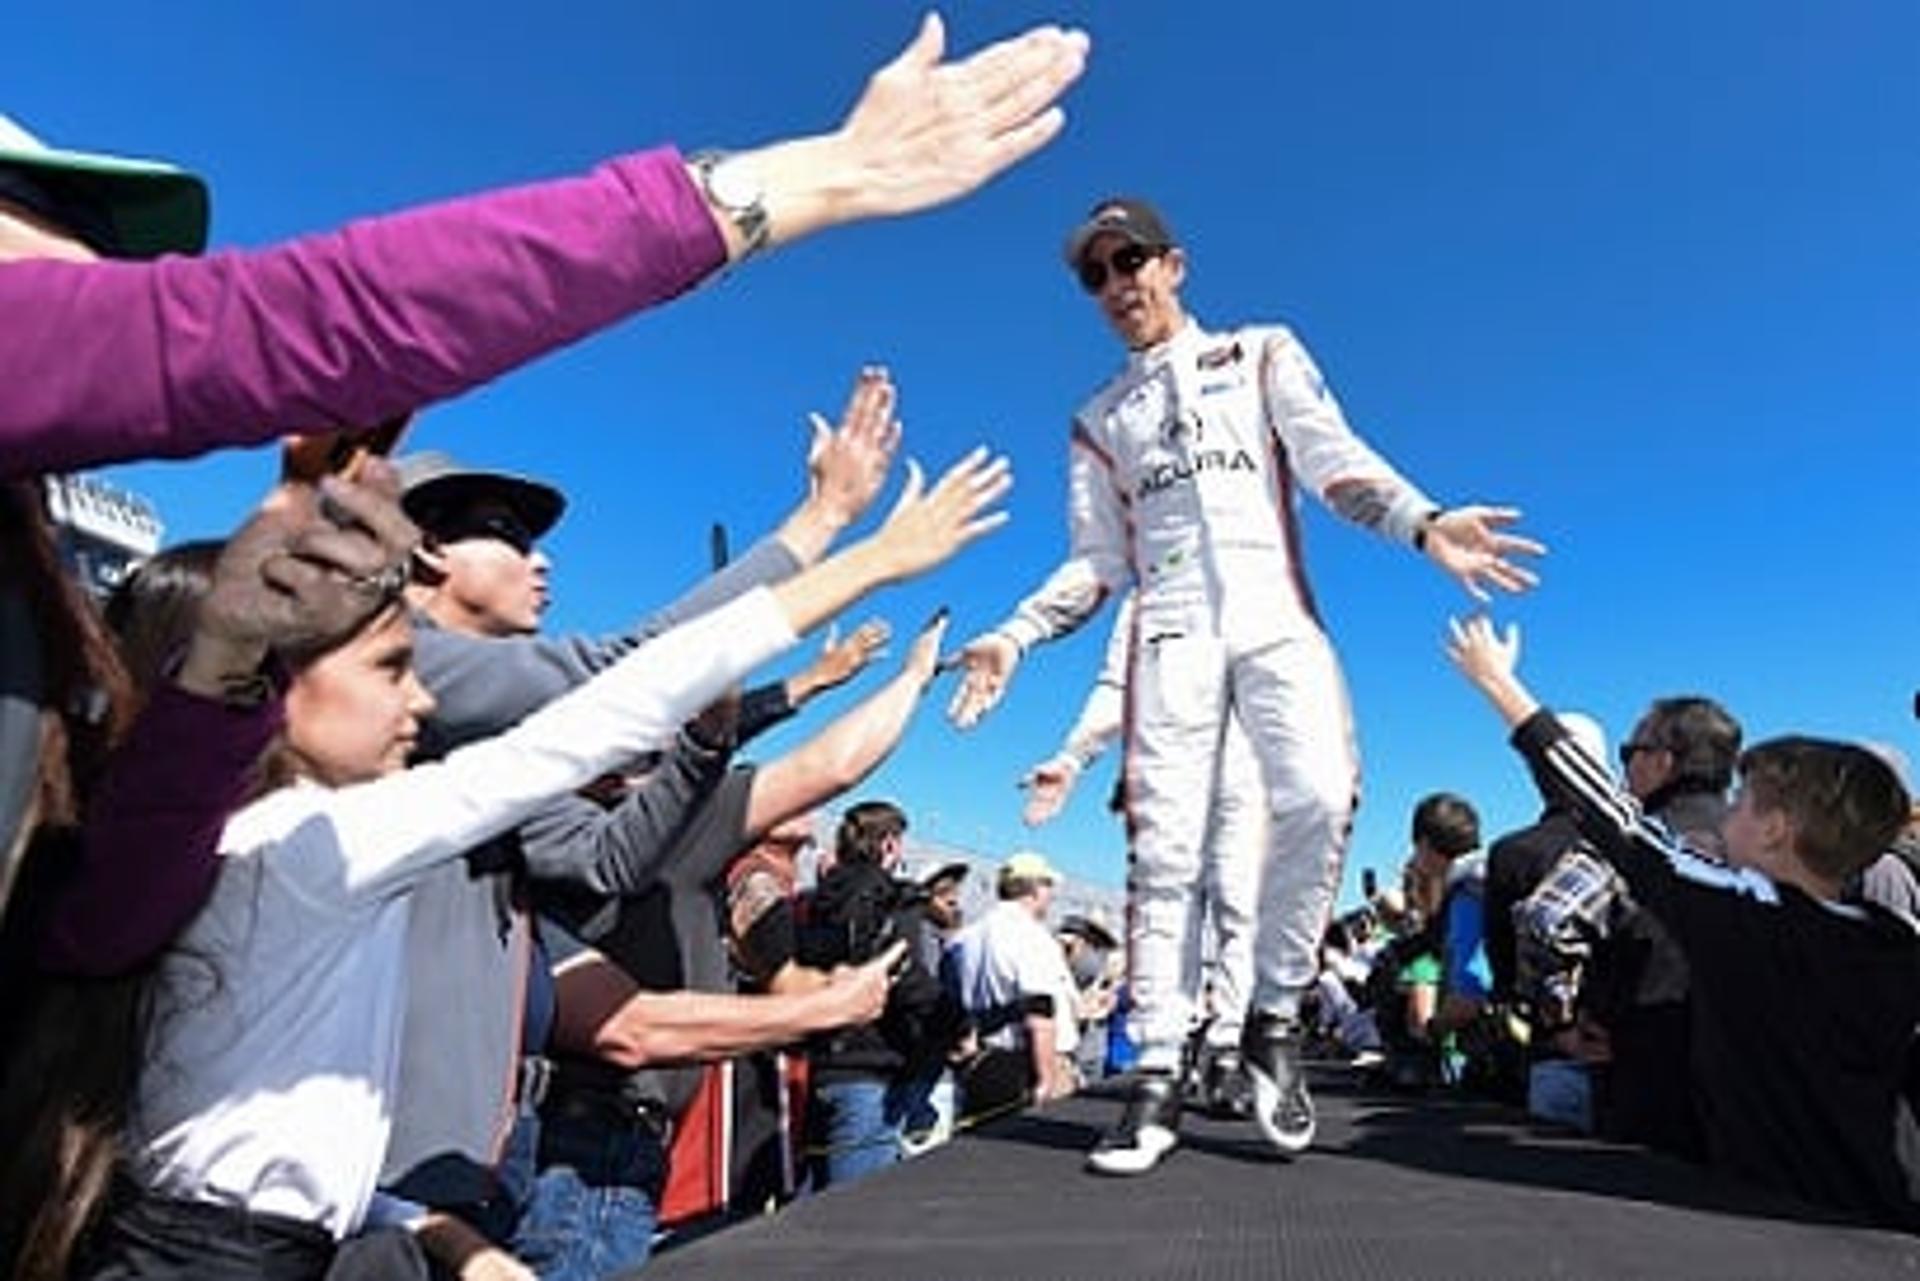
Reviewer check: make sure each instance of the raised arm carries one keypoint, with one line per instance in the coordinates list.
(117, 360)
(483, 685)
(111, 361)
(619, 851)
(852, 747)
(1351, 478)
(384, 833)
(1653, 862)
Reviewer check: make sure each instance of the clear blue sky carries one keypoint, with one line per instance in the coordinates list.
(1649, 270)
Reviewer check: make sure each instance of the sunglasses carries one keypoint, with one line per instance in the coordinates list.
(1125, 261)
(1630, 749)
(502, 527)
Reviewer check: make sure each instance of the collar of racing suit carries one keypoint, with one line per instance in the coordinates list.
(1149, 358)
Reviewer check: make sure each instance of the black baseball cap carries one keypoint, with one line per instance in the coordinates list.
(1091, 930)
(434, 488)
(1126, 216)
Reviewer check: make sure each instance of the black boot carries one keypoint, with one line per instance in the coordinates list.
(1270, 1048)
(1229, 1095)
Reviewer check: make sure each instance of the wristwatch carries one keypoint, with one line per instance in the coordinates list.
(1425, 523)
(731, 186)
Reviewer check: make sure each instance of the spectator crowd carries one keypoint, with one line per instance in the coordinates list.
(356, 927)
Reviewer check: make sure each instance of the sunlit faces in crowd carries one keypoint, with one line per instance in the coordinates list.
(1648, 765)
(1754, 836)
(496, 579)
(1137, 287)
(354, 712)
(943, 905)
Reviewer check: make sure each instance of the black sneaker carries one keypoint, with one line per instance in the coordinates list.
(1148, 1129)
(1282, 1108)
(1229, 1096)
(1194, 1056)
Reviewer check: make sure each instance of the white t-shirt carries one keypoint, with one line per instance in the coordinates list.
(1007, 955)
(277, 1038)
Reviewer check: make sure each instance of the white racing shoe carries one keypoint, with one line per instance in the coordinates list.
(1282, 1108)
(1148, 1129)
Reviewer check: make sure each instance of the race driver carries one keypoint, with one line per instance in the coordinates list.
(1182, 471)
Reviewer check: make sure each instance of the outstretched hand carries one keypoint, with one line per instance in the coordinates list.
(1470, 543)
(987, 665)
(1048, 785)
(841, 660)
(309, 568)
(1491, 662)
(1482, 654)
(847, 466)
(926, 131)
(928, 526)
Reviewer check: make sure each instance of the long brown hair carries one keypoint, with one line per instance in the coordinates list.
(86, 695)
(69, 1051)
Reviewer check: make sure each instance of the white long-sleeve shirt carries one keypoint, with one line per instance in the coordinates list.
(277, 1039)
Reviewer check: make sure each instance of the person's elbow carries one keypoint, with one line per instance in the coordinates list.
(631, 1039)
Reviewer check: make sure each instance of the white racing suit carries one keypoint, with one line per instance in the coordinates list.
(1226, 875)
(1181, 482)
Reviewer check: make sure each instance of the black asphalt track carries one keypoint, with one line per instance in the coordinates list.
(1396, 1189)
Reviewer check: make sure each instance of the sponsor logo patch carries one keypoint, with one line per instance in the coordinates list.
(1219, 357)
(1164, 476)
(1188, 426)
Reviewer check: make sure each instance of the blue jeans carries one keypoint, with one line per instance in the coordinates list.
(594, 1208)
(1561, 1091)
(931, 1124)
(857, 1128)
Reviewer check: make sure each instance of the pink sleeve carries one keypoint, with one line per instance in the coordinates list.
(150, 850)
(105, 362)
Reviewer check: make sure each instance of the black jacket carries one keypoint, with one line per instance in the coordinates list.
(855, 913)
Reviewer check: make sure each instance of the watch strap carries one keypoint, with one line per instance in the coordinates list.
(749, 219)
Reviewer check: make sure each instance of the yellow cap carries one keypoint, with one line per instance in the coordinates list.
(1028, 866)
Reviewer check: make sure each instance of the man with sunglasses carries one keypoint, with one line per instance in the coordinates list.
(1182, 475)
(1608, 982)
(487, 576)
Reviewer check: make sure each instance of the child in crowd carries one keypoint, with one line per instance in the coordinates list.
(1805, 1004)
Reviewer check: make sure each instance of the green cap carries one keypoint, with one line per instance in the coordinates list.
(154, 208)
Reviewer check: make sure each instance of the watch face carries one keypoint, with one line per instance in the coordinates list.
(734, 184)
